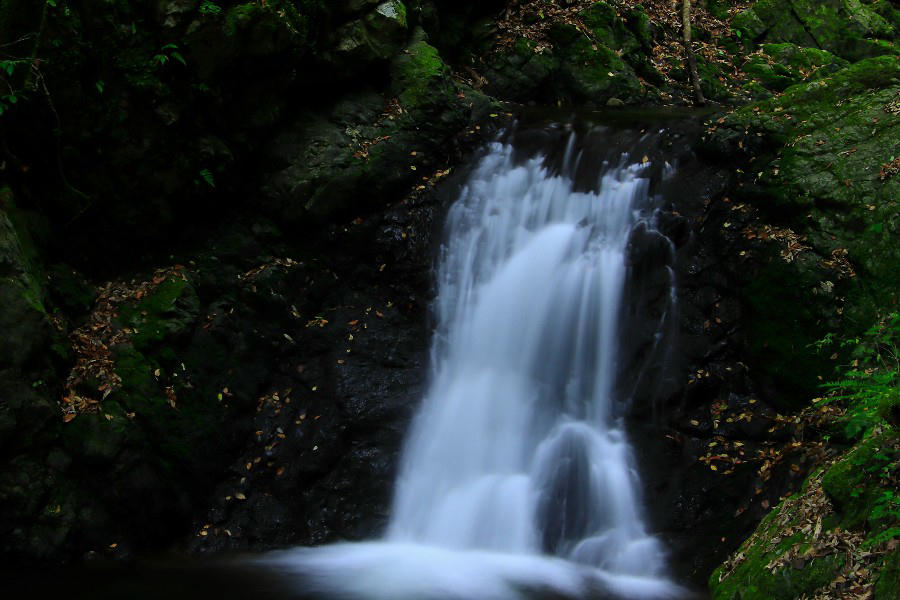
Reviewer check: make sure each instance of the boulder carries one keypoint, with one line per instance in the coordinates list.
(347, 162)
(23, 320)
(847, 28)
(578, 67)
(377, 36)
(822, 169)
(782, 65)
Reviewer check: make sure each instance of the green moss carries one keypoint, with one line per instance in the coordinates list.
(173, 432)
(19, 251)
(419, 76)
(852, 482)
(819, 148)
(783, 65)
(393, 10)
(522, 73)
(590, 71)
(718, 8)
(628, 39)
(240, 16)
(600, 18)
(848, 28)
(752, 580)
(711, 81)
(887, 587)
(274, 18)
(165, 313)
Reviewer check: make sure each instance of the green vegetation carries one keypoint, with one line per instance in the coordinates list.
(847, 516)
(134, 130)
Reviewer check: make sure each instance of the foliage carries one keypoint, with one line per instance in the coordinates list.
(208, 7)
(868, 387)
(166, 52)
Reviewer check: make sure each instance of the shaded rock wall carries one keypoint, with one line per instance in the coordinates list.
(176, 134)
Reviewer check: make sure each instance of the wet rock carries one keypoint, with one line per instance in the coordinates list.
(321, 462)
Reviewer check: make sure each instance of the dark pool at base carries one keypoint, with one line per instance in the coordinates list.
(193, 580)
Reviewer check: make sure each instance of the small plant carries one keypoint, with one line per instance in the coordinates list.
(167, 52)
(208, 7)
(207, 176)
(869, 385)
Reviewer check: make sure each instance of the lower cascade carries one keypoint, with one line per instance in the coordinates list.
(517, 478)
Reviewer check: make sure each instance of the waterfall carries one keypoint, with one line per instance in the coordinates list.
(517, 475)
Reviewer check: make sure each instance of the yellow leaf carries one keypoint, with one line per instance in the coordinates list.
(240, 496)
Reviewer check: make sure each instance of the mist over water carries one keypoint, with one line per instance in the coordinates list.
(517, 477)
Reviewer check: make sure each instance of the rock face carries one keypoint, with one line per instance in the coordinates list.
(823, 233)
(24, 317)
(379, 35)
(820, 173)
(782, 65)
(369, 141)
(848, 28)
(579, 67)
(215, 276)
(123, 402)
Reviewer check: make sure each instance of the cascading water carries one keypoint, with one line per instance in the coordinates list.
(517, 475)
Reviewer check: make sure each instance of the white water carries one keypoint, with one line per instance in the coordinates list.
(517, 475)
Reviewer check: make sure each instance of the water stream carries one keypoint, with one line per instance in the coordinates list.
(517, 477)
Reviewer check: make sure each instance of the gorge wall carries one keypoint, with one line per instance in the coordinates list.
(217, 223)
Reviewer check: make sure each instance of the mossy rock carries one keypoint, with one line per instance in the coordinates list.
(718, 8)
(629, 37)
(379, 35)
(853, 483)
(819, 149)
(580, 68)
(591, 72)
(521, 73)
(887, 587)
(328, 158)
(263, 28)
(23, 319)
(164, 314)
(711, 81)
(751, 579)
(419, 77)
(783, 65)
(847, 28)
